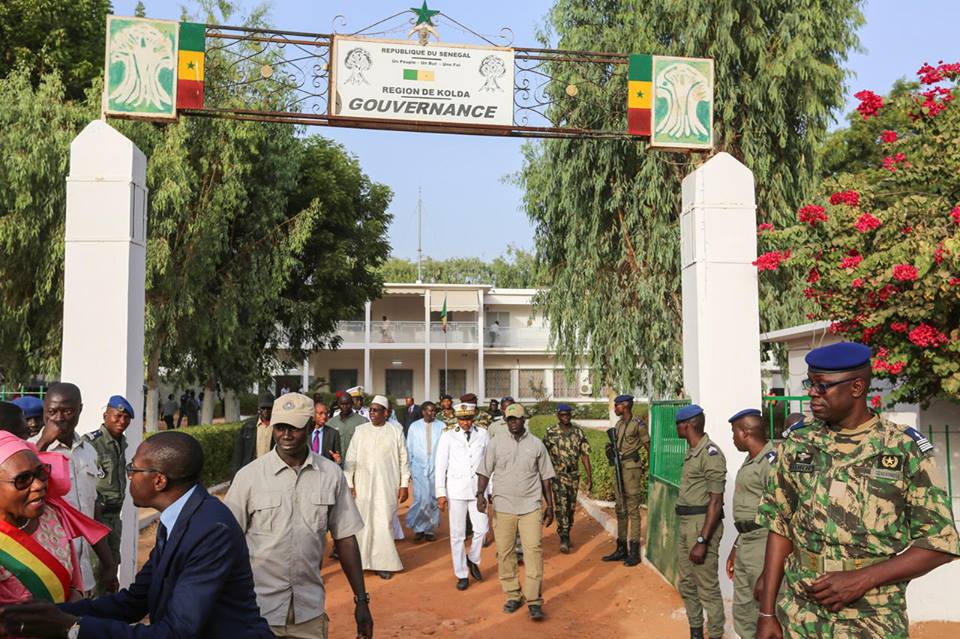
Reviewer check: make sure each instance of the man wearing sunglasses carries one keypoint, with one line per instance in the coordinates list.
(855, 508)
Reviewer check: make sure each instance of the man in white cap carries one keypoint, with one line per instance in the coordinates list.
(377, 470)
(356, 394)
(459, 454)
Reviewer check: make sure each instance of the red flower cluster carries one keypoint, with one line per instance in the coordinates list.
(851, 262)
(850, 198)
(867, 222)
(857, 283)
(935, 100)
(899, 327)
(813, 276)
(926, 336)
(933, 74)
(893, 162)
(771, 261)
(870, 103)
(875, 401)
(881, 363)
(907, 230)
(955, 214)
(938, 256)
(886, 292)
(812, 214)
(888, 136)
(764, 227)
(904, 272)
(955, 281)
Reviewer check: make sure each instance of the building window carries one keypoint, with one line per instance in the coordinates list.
(532, 383)
(342, 379)
(497, 382)
(564, 387)
(453, 382)
(399, 382)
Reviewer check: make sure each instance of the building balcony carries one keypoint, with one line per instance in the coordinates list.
(458, 334)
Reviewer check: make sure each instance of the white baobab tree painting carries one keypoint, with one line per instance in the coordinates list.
(683, 102)
(142, 56)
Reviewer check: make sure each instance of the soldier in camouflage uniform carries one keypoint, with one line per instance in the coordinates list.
(745, 561)
(567, 446)
(631, 434)
(700, 508)
(855, 507)
(111, 446)
(446, 414)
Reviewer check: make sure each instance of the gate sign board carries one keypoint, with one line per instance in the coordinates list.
(140, 67)
(403, 80)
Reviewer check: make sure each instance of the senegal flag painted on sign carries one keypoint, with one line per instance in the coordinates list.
(420, 75)
(190, 63)
(639, 93)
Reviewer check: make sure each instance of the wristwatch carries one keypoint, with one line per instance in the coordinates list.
(74, 630)
(365, 598)
(701, 540)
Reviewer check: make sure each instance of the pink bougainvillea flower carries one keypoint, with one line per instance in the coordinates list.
(851, 262)
(867, 222)
(766, 226)
(850, 198)
(875, 401)
(812, 214)
(888, 136)
(955, 214)
(899, 327)
(771, 261)
(870, 103)
(926, 336)
(904, 272)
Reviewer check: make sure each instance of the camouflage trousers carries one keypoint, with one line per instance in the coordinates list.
(807, 621)
(564, 501)
(628, 505)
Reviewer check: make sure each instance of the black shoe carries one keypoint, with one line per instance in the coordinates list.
(565, 544)
(513, 605)
(619, 554)
(418, 536)
(696, 633)
(383, 574)
(463, 584)
(536, 613)
(634, 558)
(474, 571)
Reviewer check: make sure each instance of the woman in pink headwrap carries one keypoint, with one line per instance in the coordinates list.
(37, 560)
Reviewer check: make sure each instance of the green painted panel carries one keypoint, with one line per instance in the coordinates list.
(663, 528)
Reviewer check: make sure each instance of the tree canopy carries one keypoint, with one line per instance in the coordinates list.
(606, 212)
(516, 269)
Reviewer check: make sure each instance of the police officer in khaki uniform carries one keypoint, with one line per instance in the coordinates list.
(700, 508)
(111, 446)
(631, 434)
(745, 562)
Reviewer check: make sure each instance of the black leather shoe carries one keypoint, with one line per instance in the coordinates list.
(513, 605)
(696, 633)
(536, 612)
(565, 544)
(463, 584)
(474, 571)
(383, 574)
(634, 558)
(620, 554)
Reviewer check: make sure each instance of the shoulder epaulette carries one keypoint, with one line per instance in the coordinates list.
(95, 435)
(771, 456)
(712, 450)
(922, 442)
(801, 424)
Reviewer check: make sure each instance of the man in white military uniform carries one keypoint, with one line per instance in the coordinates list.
(459, 453)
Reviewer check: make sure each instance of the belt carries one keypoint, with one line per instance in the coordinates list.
(690, 510)
(818, 563)
(632, 457)
(744, 527)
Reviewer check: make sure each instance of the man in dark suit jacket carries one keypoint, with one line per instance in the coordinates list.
(245, 445)
(409, 414)
(197, 581)
(324, 440)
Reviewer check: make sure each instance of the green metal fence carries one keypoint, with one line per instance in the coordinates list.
(776, 408)
(666, 449)
(13, 391)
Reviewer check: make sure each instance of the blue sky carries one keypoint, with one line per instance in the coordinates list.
(469, 209)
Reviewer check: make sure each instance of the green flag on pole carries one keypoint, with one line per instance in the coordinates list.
(443, 314)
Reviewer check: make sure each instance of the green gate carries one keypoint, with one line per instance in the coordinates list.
(666, 459)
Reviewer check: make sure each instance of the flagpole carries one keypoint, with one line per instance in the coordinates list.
(446, 369)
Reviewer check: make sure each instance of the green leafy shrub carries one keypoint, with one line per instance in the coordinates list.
(216, 440)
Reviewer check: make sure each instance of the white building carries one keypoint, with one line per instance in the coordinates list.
(494, 345)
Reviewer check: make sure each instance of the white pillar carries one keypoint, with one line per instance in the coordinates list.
(103, 288)
(481, 377)
(367, 373)
(427, 391)
(305, 376)
(721, 321)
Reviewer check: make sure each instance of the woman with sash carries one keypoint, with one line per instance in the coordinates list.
(37, 560)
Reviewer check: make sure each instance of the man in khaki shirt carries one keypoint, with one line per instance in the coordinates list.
(285, 502)
(524, 471)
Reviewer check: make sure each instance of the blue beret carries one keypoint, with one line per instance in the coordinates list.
(744, 413)
(564, 408)
(688, 412)
(30, 405)
(836, 358)
(623, 398)
(507, 398)
(120, 403)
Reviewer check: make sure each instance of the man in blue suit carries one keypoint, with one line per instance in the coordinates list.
(197, 581)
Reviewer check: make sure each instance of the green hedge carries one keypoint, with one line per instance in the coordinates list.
(217, 443)
(603, 475)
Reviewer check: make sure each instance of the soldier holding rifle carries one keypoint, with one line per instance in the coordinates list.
(623, 451)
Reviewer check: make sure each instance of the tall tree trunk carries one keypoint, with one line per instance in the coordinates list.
(150, 416)
(231, 406)
(209, 401)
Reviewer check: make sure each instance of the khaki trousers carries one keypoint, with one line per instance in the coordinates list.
(315, 628)
(505, 530)
(700, 584)
(746, 569)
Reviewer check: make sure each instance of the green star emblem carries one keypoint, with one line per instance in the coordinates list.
(191, 65)
(424, 14)
(640, 93)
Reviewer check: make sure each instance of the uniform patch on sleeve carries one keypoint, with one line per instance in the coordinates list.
(922, 442)
(803, 463)
(95, 434)
(771, 456)
(100, 472)
(712, 450)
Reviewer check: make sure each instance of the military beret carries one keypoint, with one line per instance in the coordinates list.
(446, 396)
(120, 403)
(839, 357)
(469, 398)
(30, 405)
(744, 413)
(564, 408)
(688, 412)
(507, 398)
(623, 398)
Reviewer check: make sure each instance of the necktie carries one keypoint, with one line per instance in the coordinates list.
(467, 433)
(161, 539)
(315, 446)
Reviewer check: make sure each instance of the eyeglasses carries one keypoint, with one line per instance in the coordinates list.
(822, 387)
(131, 469)
(25, 479)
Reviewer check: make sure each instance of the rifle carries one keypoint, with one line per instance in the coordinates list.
(613, 455)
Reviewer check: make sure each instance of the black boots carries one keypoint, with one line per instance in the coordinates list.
(696, 633)
(565, 544)
(634, 558)
(620, 554)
